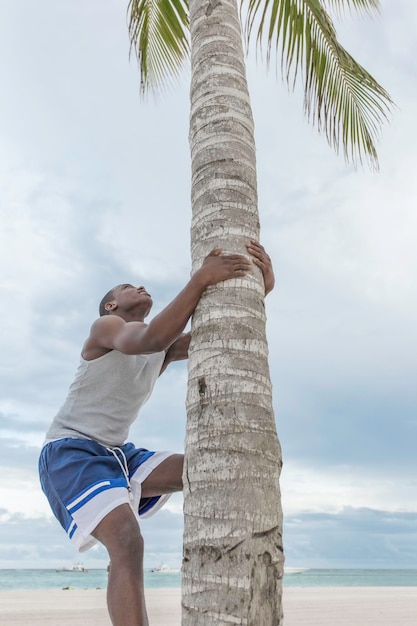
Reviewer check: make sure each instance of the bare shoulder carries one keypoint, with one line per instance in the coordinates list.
(107, 324)
(112, 332)
(102, 333)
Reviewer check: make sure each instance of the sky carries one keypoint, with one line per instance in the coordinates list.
(95, 191)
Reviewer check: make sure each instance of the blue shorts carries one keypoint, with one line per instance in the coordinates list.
(83, 481)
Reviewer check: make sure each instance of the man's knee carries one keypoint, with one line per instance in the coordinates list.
(128, 538)
(119, 532)
(127, 545)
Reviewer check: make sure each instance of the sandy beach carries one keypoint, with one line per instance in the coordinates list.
(312, 606)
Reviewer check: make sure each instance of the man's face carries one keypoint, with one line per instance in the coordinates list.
(129, 297)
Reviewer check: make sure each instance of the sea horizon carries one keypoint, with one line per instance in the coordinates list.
(96, 578)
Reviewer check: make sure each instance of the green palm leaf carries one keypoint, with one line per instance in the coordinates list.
(158, 31)
(360, 5)
(340, 96)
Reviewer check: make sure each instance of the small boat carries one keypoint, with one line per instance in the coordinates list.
(77, 568)
(164, 569)
(294, 570)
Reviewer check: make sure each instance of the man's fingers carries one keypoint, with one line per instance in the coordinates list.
(242, 264)
(257, 251)
(255, 244)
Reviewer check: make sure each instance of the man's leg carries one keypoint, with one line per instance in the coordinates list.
(120, 533)
(166, 478)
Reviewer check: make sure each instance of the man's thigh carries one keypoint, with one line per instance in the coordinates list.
(165, 478)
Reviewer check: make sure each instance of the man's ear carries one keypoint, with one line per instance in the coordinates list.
(111, 306)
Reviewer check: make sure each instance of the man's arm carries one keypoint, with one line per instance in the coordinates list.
(114, 333)
(178, 351)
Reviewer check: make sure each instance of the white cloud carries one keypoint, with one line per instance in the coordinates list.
(94, 190)
(332, 488)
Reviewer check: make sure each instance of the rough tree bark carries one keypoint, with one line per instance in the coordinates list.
(233, 556)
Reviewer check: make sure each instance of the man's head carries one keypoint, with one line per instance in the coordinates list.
(126, 301)
(109, 297)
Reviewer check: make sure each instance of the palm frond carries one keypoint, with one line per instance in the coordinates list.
(340, 96)
(158, 31)
(366, 6)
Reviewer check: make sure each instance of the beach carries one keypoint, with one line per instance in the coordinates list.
(303, 606)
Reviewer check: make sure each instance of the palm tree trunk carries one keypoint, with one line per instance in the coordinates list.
(233, 558)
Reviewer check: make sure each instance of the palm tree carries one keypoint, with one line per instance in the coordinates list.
(233, 555)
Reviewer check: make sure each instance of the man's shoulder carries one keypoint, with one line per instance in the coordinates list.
(101, 335)
(107, 325)
(108, 321)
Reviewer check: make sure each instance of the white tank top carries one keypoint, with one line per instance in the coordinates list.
(105, 397)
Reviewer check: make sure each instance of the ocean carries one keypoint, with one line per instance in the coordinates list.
(97, 578)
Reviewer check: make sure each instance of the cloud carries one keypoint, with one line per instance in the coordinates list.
(94, 191)
(16, 455)
(330, 487)
(352, 538)
(38, 542)
(41, 542)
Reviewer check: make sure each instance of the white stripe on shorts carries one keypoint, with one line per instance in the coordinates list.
(85, 495)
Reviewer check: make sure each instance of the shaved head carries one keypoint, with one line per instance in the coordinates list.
(110, 295)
